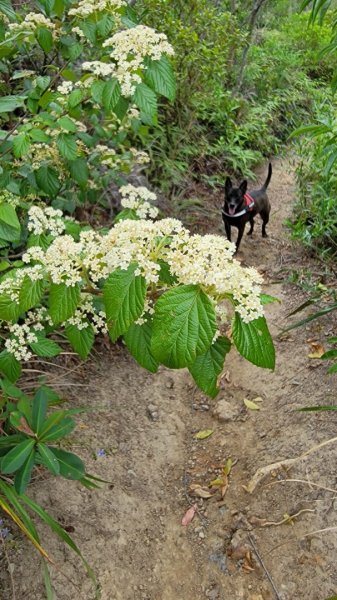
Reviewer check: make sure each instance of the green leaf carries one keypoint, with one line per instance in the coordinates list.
(9, 366)
(45, 347)
(9, 309)
(97, 89)
(7, 9)
(267, 299)
(15, 458)
(207, 367)
(24, 474)
(49, 459)
(79, 170)
(159, 75)
(71, 466)
(51, 421)
(58, 431)
(184, 326)
(21, 144)
(68, 124)
(67, 146)
(56, 527)
(75, 98)
(37, 135)
(145, 99)
(10, 103)
(138, 341)
(45, 39)
(39, 410)
(81, 340)
(8, 215)
(47, 180)
(121, 107)
(124, 296)
(63, 301)
(30, 293)
(111, 94)
(254, 341)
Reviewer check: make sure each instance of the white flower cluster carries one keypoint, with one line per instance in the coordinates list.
(85, 313)
(9, 198)
(25, 334)
(193, 259)
(17, 344)
(101, 69)
(208, 261)
(31, 22)
(65, 88)
(138, 199)
(90, 7)
(130, 48)
(45, 220)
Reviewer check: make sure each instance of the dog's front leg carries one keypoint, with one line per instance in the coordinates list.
(228, 230)
(240, 234)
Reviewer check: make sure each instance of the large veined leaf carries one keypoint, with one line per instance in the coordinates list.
(10, 103)
(10, 366)
(30, 293)
(138, 341)
(79, 170)
(45, 39)
(63, 301)
(124, 297)
(145, 99)
(15, 458)
(184, 326)
(66, 143)
(207, 367)
(159, 76)
(81, 340)
(10, 229)
(111, 94)
(7, 9)
(254, 341)
(9, 309)
(45, 347)
(47, 179)
(21, 144)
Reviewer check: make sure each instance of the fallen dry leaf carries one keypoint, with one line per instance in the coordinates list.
(251, 405)
(200, 492)
(317, 350)
(189, 515)
(203, 435)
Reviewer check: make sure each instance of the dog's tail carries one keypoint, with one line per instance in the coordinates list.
(267, 182)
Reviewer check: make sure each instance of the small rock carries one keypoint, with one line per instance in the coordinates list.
(226, 411)
(202, 535)
(152, 412)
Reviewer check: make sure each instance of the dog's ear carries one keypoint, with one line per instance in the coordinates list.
(243, 187)
(228, 185)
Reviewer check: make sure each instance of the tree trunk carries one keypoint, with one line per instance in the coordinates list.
(251, 26)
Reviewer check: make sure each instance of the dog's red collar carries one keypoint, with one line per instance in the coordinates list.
(249, 205)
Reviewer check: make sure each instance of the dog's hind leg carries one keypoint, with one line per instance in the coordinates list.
(265, 220)
(252, 223)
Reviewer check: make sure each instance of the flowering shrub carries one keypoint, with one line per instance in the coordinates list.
(69, 128)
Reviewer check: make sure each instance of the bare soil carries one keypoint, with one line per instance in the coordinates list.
(242, 546)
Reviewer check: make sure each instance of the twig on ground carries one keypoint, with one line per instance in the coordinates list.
(286, 463)
(309, 483)
(264, 567)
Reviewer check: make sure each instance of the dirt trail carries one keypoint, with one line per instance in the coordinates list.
(131, 531)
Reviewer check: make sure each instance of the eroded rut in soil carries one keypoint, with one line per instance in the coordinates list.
(130, 531)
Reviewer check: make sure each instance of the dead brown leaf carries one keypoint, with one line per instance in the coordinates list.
(200, 492)
(189, 515)
(317, 350)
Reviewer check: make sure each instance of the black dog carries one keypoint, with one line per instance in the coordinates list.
(241, 207)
